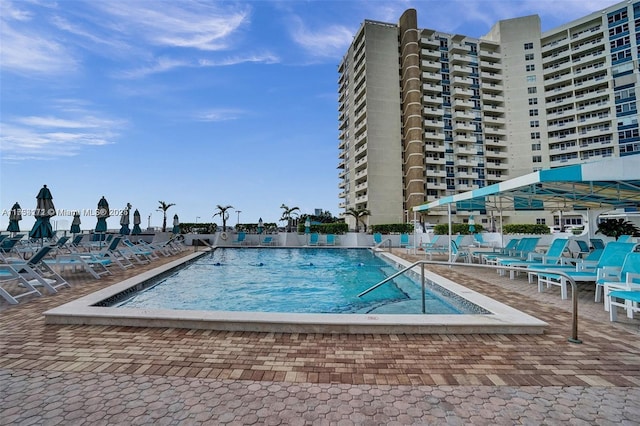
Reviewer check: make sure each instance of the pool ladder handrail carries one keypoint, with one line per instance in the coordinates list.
(381, 243)
(574, 286)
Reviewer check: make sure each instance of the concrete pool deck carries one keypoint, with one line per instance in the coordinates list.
(72, 374)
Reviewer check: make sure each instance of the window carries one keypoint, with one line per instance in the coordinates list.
(534, 123)
(535, 135)
(622, 41)
(528, 57)
(532, 90)
(536, 159)
(536, 147)
(530, 67)
(617, 16)
(626, 108)
(533, 101)
(528, 46)
(531, 79)
(533, 112)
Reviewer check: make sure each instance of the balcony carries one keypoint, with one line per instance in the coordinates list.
(434, 135)
(465, 139)
(462, 92)
(488, 55)
(463, 103)
(432, 100)
(429, 65)
(433, 111)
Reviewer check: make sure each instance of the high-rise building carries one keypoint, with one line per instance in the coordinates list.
(424, 114)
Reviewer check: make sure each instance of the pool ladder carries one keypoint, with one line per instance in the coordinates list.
(574, 287)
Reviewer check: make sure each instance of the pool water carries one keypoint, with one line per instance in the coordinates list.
(301, 280)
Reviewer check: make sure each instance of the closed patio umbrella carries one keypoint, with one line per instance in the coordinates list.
(102, 214)
(136, 223)
(260, 226)
(472, 224)
(75, 224)
(14, 217)
(45, 210)
(124, 221)
(176, 224)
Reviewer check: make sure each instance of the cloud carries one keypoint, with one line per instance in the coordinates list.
(50, 137)
(197, 25)
(165, 64)
(25, 50)
(221, 114)
(331, 41)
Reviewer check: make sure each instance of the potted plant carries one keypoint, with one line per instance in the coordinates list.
(617, 227)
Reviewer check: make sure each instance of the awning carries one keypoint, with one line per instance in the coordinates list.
(612, 183)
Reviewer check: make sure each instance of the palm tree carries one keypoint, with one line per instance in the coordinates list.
(358, 214)
(163, 208)
(286, 215)
(222, 211)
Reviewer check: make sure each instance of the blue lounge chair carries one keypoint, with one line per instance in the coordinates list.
(583, 248)
(612, 256)
(459, 254)
(404, 240)
(314, 239)
(377, 239)
(597, 243)
(331, 239)
(267, 241)
(626, 277)
(521, 252)
(240, 238)
(485, 256)
(552, 256)
(433, 247)
(630, 301)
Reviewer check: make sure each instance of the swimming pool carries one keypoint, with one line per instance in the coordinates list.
(298, 280)
(96, 309)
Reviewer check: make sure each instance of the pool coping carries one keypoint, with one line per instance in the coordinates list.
(502, 320)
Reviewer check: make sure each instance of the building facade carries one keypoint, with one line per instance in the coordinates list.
(424, 114)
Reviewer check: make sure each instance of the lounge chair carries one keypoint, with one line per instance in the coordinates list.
(240, 238)
(267, 241)
(38, 272)
(11, 284)
(630, 301)
(583, 248)
(525, 246)
(139, 253)
(484, 256)
(625, 277)
(552, 256)
(314, 239)
(597, 243)
(587, 263)
(459, 254)
(113, 253)
(404, 240)
(377, 239)
(432, 247)
(331, 239)
(94, 266)
(612, 256)
(480, 242)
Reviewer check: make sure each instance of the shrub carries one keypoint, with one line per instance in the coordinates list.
(392, 228)
(534, 229)
(456, 228)
(617, 227)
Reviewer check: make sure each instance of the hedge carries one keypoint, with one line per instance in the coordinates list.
(392, 228)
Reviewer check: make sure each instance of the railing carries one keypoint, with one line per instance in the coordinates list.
(381, 243)
(574, 287)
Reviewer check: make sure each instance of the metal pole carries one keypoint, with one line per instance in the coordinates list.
(424, 309)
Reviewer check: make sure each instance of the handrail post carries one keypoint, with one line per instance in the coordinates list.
(424, 296)
(574, 287)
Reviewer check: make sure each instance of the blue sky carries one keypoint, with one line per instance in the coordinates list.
(192, 103)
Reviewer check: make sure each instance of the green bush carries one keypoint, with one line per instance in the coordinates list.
(457, 228)
(534, 229)
(337, 228)
(199, 228)
(392, 228)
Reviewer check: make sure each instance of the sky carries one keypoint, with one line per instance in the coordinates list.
(195, 103)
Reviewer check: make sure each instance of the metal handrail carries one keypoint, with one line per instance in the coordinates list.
(574, 286)
(386, 240)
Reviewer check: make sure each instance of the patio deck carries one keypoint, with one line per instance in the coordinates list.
(56, 374)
